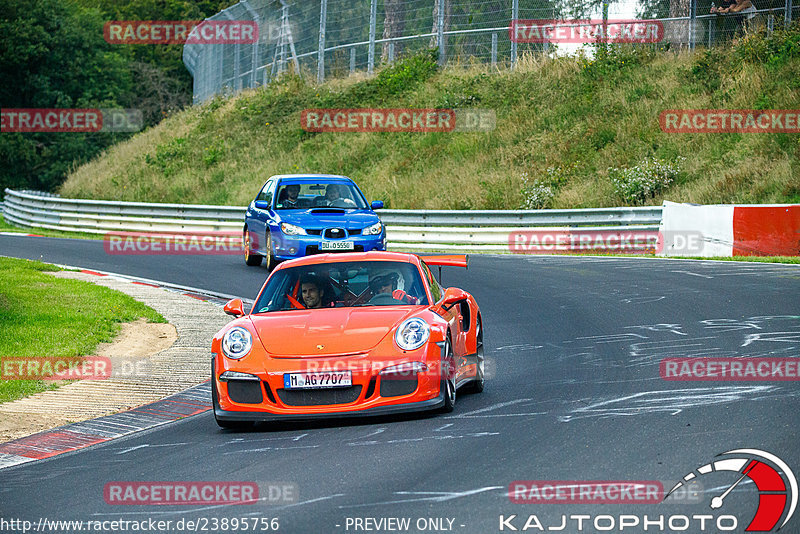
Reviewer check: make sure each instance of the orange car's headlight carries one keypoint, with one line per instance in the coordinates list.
(412, 334)
(236, 343)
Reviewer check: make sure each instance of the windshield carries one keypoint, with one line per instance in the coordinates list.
(341, 285)
(319, 195)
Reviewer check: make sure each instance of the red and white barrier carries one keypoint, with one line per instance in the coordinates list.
(729, 230)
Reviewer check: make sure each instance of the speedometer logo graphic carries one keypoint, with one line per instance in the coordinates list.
(777, 493)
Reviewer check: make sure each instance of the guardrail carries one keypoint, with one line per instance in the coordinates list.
(423, 230)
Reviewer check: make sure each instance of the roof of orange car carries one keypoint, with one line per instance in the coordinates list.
(350, 256)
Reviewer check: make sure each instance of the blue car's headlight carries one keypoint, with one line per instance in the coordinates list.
(375, 229)
(412, 334)
(291, 229)
(236, 343)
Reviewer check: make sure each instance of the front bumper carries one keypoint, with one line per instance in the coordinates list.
(371, 393)
(420, 406)
(288, 247)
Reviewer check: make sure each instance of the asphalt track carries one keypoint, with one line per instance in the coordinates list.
(573, 394)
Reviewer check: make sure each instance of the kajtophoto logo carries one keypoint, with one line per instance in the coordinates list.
(777, 491)
(774, 481)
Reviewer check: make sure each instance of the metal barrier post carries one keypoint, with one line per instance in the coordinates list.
(352, 60)
(391, 52)
(692, 24)
(514, 17)
(494, 50)
(711, 24)
(323, 16)
(440, 32)
(373, 15)
(787, 17)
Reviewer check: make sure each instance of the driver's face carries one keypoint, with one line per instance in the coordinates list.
(312, 296)
(332, 193)
(292, 191)
(387, 288)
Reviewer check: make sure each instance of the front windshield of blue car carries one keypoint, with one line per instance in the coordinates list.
(343, 285)
(319, 195)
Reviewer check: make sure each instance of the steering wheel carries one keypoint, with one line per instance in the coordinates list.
(383, 299)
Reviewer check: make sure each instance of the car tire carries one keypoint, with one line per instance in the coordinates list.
(228, 425)
(448, 382)
(476, 386)
(250, 258)
(271, 261)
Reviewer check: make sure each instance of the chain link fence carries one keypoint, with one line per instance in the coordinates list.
(335, 38)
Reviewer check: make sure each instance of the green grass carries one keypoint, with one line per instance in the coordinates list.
(41, 315)
(6, 227)
(561, 121)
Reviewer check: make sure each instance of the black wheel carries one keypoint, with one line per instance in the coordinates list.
(448, 383)
(250, 258)
(229, 425)
(271, 261)
(476, 386)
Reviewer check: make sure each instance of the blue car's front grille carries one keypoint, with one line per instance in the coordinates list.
(335, 233)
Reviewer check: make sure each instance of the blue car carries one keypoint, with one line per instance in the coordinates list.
(295, 215)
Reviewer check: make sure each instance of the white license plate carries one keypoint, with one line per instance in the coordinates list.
(336, 245)
(332, 379)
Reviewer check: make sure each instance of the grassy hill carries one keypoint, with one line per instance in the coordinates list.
(571, 132)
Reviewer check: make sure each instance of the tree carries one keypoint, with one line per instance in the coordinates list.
(393, 25)
(52, 55)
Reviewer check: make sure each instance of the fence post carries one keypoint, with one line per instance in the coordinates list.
(711, 24)
(514, 16)
(323, 16)
(770, 23)
(787, 17)
(440, 32)
(352, 60)
(692, 24)
(373, 16)
(494, 50)
(391, 52)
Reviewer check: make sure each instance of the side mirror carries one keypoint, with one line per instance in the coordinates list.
(377, 204)
(262, 204)
(452, 296)
(235, 308)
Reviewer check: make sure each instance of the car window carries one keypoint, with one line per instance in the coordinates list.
(436, 290)
(266, 192)
(319, 195)
(343, 284)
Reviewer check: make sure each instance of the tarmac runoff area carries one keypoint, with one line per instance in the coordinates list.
(135, 380)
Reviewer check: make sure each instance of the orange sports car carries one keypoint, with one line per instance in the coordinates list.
(347, 334)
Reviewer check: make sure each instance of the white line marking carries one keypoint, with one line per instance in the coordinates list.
(493, 407)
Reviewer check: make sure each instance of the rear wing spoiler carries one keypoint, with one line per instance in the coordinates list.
(451, 260)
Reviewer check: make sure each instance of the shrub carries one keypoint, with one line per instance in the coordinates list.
(636, 184)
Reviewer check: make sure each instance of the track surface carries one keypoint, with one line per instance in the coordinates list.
(573, 393)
